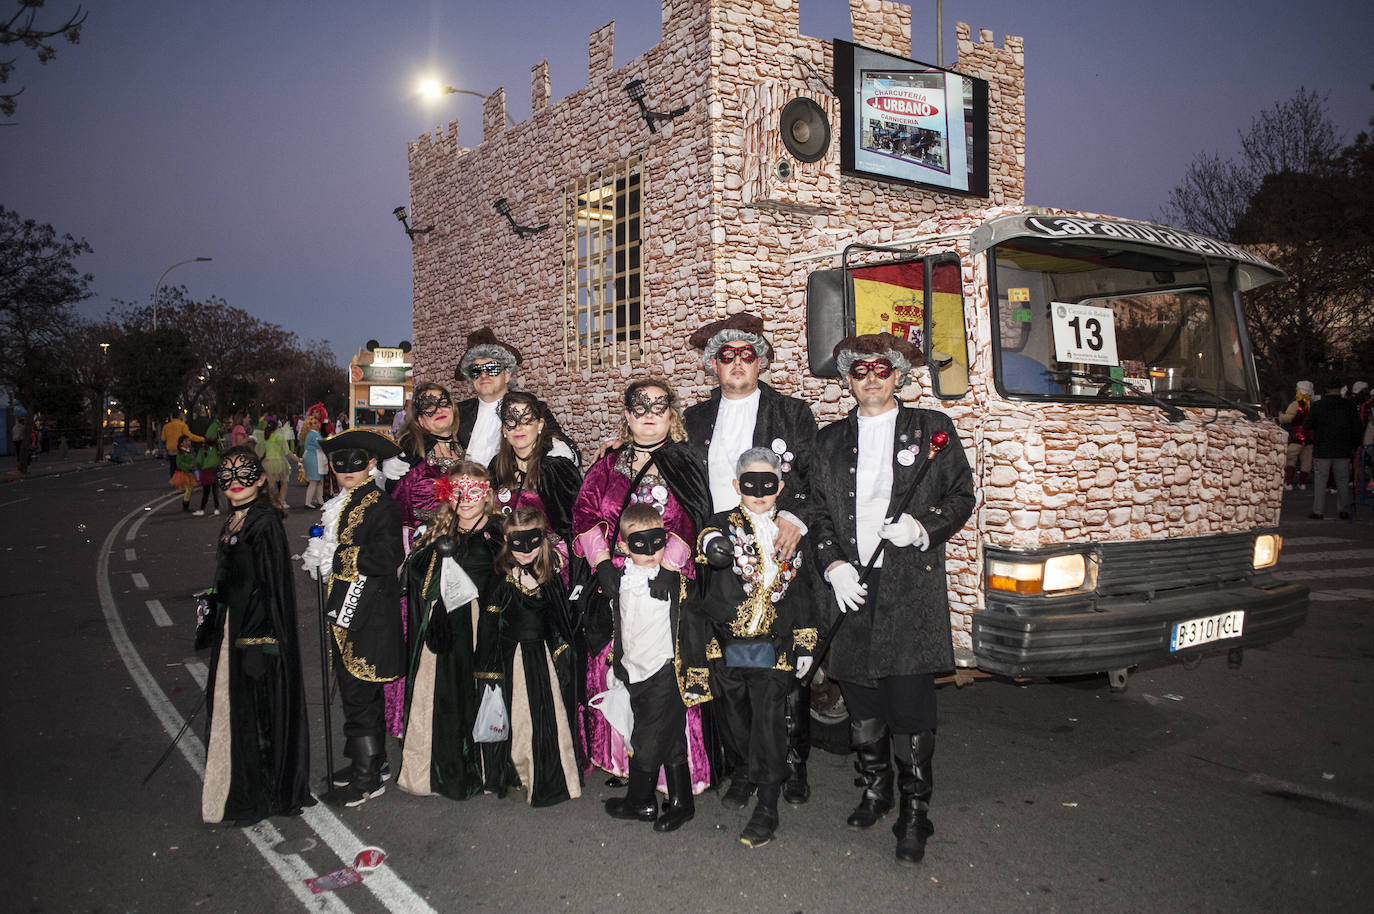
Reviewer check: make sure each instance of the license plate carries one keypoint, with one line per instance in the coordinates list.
(1208, 628)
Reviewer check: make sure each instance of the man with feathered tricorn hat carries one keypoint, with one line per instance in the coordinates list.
(491, 365)
(742, 413)
(897, 637)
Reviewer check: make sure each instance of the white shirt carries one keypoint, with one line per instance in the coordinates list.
(646, 633)
(485, 440)
(732, 436)
(873, 479)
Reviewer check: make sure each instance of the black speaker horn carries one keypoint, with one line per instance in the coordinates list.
(805, 129)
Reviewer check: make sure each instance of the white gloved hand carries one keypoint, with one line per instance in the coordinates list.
(803, 667)
(395, 467)
(318, 558)
(905, 531)
(849, 593)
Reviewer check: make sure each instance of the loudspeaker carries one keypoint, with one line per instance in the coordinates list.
(805, 129)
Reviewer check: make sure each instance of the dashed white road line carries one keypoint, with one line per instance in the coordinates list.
(390, 890)
(140, 581)
(198, 670)
(131, 555)
(160, 617)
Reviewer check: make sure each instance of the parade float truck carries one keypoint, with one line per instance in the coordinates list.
(1101, 378)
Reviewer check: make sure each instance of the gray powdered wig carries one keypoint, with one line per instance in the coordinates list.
(761, 347)
(489, 351)
(848, 357)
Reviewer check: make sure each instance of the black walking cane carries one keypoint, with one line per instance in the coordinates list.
(938, 441)
(326, 679)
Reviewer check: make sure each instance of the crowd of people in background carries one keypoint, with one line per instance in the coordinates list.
(1329, 439)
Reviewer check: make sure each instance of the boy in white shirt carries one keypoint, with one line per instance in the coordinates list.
(657, 651)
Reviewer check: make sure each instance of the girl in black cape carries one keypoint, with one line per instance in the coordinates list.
(257, 757)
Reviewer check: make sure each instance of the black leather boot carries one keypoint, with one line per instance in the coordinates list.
(639, 802)
(366, 783)
(764, 822)
(681, 806)
(916, 782)
(797, 708)
(874, 764)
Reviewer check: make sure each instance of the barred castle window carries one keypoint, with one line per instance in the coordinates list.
(602, 271)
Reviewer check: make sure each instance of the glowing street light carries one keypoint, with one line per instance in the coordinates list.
(434, 90)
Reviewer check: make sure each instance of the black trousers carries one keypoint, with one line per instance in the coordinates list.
(751, 705)
(659, 737)
(906, 704)
(364, 704)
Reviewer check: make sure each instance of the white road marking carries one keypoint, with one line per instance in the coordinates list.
(160, 617)
(140, 581)
(198, 670)
(1339, 555)
(131, 555)
(1289, 542)
(1326, 796)
(1340, 596)
(13, 501)
(389, 889)
(147, 511)
(1324, 574)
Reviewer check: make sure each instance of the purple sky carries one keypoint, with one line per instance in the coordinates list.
(271, 136)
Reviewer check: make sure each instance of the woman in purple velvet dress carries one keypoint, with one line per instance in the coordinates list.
(429, 451)
(655, 467)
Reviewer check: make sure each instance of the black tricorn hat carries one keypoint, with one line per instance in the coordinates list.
(361, 439)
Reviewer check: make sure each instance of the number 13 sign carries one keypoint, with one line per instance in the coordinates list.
(1083, 333)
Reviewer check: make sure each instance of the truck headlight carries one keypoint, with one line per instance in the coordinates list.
(1055, 574)
(1267, 549)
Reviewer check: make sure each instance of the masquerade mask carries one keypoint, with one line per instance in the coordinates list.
(513, 419)
(641, 406)
(745, 354)
(524, 540)
(646, 542)
(758, 483)
(491, 369)
(430, 402)
(462, 491)
(245, 473)
(352, 460)
(880, 367)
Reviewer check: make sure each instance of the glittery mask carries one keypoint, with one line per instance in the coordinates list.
(880, 367)
(646, 542)
(492, 369)
(524, 540)
(465, 490)
(245, 473)
(745, 354)
(758, 483)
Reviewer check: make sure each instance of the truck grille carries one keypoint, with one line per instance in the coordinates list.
(1159, 566)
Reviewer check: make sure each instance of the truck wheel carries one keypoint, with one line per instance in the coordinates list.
(829, 716)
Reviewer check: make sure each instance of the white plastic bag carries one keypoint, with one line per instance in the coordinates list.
(614, 705)
(491, 725)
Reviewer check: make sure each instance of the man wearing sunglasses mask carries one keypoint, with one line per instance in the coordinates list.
(897, 638)
(490, 366)
(742, 413)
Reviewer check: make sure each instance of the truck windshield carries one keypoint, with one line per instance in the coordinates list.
(1075, 321)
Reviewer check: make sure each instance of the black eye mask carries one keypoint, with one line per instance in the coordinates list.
(524, 540)
(758, 483)
(427, 404)
(352, 460)
(646, 542)
(245, 473)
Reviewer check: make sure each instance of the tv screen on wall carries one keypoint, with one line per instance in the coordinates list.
(911, 122)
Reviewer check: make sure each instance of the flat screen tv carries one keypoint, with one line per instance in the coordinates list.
(911, 122)
(386, 395)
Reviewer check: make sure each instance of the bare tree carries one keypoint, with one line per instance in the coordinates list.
(23, 28)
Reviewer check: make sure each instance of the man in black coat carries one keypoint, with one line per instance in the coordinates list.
(897, 636)
(1334, 428)
(490, 365)
(741, 413)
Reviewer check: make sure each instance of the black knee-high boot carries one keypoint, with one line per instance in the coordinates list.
(764, 822)
(797, 709)
(874, 764)
(639, 801)
(916, 782)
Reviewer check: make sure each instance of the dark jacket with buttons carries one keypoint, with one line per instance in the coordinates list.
(780, 418)
(903, 628)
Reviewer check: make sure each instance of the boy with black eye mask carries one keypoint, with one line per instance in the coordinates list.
(363, 526)
(760, 612)
(656, 650)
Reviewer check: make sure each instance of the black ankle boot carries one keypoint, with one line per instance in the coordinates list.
(681, 805)
(764, 822)
(874, 764)
(916, 782)
(639, 802)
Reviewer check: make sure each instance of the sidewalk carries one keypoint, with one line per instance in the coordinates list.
(76, 460)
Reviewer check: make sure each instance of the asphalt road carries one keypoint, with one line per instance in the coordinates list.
(1203, 789)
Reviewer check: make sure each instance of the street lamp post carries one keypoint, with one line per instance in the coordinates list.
(433, 88)
(158, 285)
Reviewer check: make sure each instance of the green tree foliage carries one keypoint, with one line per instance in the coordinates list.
(1306, 204)
(23, 28)
(150, 369)
(39, 283)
